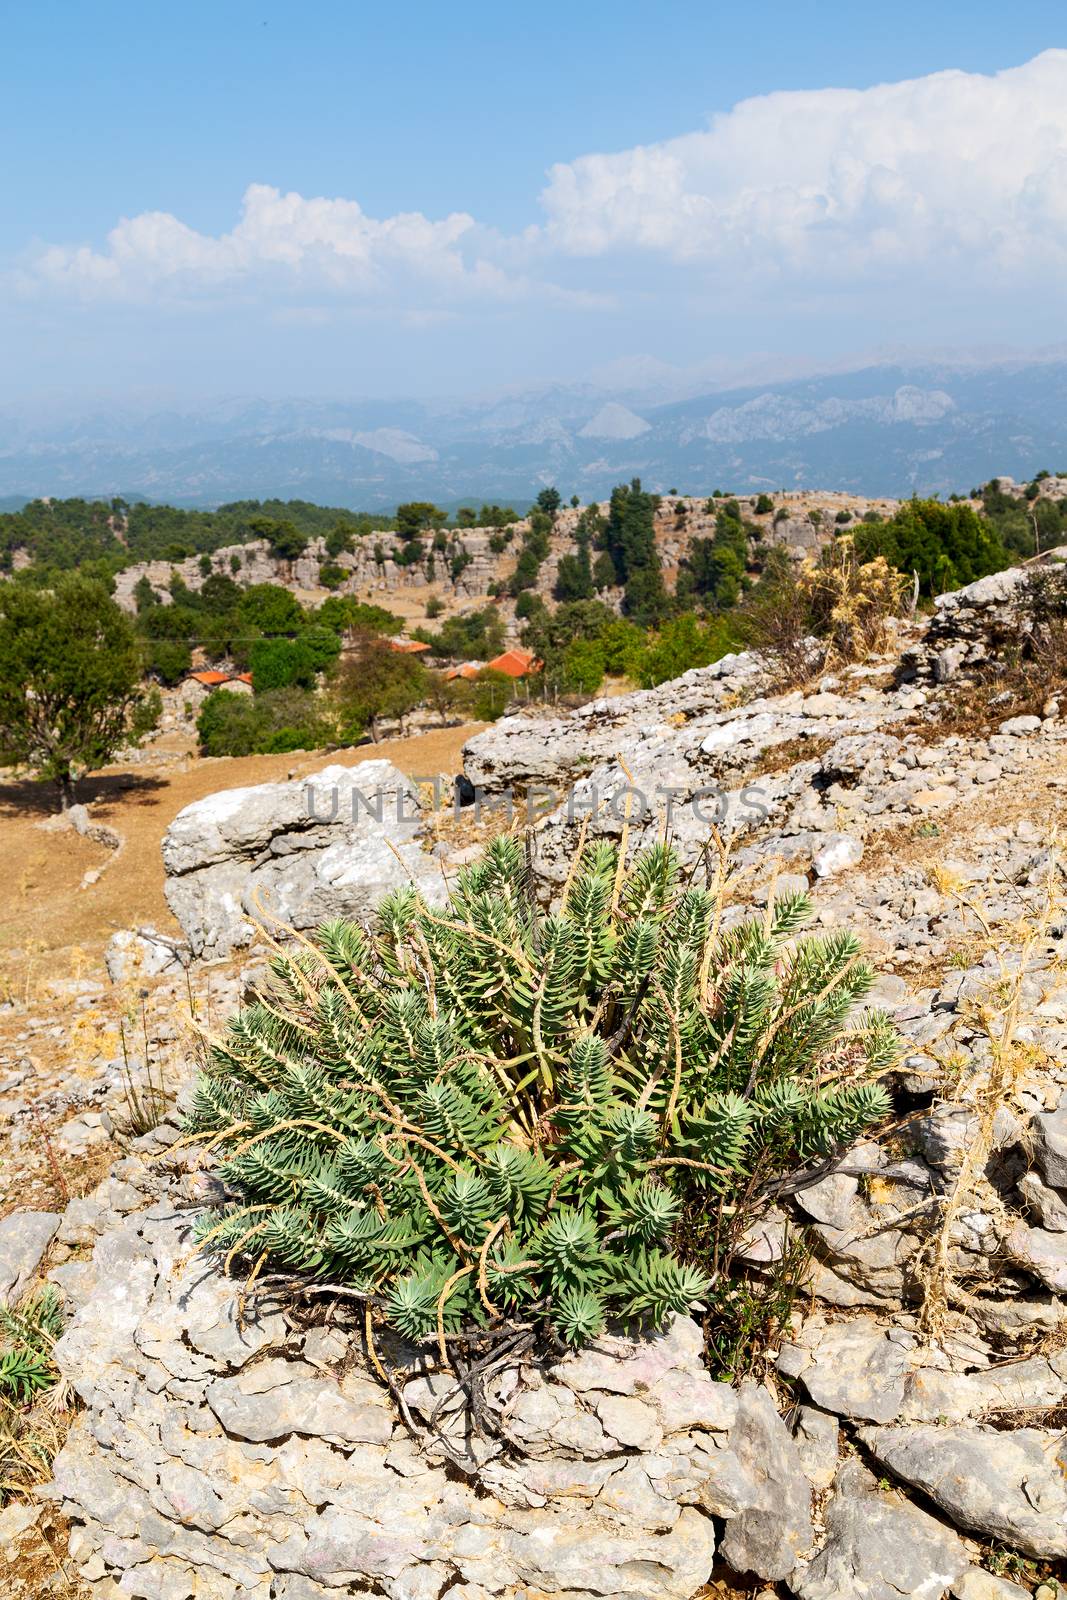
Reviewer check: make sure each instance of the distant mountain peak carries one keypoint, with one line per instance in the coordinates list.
(614, 421)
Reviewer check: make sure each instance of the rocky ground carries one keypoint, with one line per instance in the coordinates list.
(905, 1436)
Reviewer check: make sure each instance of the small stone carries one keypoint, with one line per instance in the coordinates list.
(836, 855)
(1006, 1486)
(879, 1547)
(1049, 1132)
(977, 1584)
(1016, 725)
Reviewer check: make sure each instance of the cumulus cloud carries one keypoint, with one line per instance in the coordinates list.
(838, 181)
(283, 240)
(956, 177)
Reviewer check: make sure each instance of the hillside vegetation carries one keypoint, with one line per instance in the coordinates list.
(301, 602)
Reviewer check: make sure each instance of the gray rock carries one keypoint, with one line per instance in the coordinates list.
(879, 1548)
(977, 1584)
(1048, 1205)
(24, 1238)
(817, 1437)
(761, 1488)
(855, 1369)
(143, 953)
(1042, 1253)
(300, 852)
(277, 1398)
(1049, 1134)
(836, 855)
(1008, 1486)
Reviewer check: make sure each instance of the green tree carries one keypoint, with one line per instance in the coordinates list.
(285, 539)
(372, 682)
(583, 666)
(491, 694)
(947, 545)
(574, 575)
(144, 596)
(415, 516)
(281, 664)
(471, 636)
(630, 540)
(168, 660)
(338, 541)
(549, 501)
(682, 643)
(270, 609)
(71, 690)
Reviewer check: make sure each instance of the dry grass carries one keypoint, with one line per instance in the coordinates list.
(38, 1563)
(998, 1015)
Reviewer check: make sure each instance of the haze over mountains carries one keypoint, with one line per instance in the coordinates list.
(880, 430)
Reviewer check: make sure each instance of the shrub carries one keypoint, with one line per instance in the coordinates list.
(491, 694)
(764, 506)
(683, 643)
(946, 545)
(485, 1113)
(371, 682)
(331, 576)
(837, 605)
(27, 1336)
(283, 719)
(583, 666)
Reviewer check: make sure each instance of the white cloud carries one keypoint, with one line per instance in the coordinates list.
(845, 183)
(956, 178)
(280, 240)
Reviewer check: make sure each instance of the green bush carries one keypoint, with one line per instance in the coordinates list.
(28, 1334)
(946, 545)
(683, 643)
(484, 1112)
(232, 724)
(331, 576)
(281, 664)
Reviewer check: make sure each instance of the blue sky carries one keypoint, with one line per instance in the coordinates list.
(469, 232)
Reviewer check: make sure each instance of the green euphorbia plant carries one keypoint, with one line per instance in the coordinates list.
(482, 1112)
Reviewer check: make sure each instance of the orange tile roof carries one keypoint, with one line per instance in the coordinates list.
(242, 677)
(468, 669)
(516, 663)
(210, 679)
(409, 647)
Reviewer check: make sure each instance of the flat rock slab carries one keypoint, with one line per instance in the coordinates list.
(24, 1238)
(879, 1548)
(1009, 1486)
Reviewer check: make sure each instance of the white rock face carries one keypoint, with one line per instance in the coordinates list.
(301, 852)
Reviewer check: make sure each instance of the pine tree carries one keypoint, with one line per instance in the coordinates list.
(487, 1110)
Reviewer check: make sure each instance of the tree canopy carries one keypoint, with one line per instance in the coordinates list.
(71, 691)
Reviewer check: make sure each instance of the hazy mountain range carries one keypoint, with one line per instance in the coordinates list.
(880, 430)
